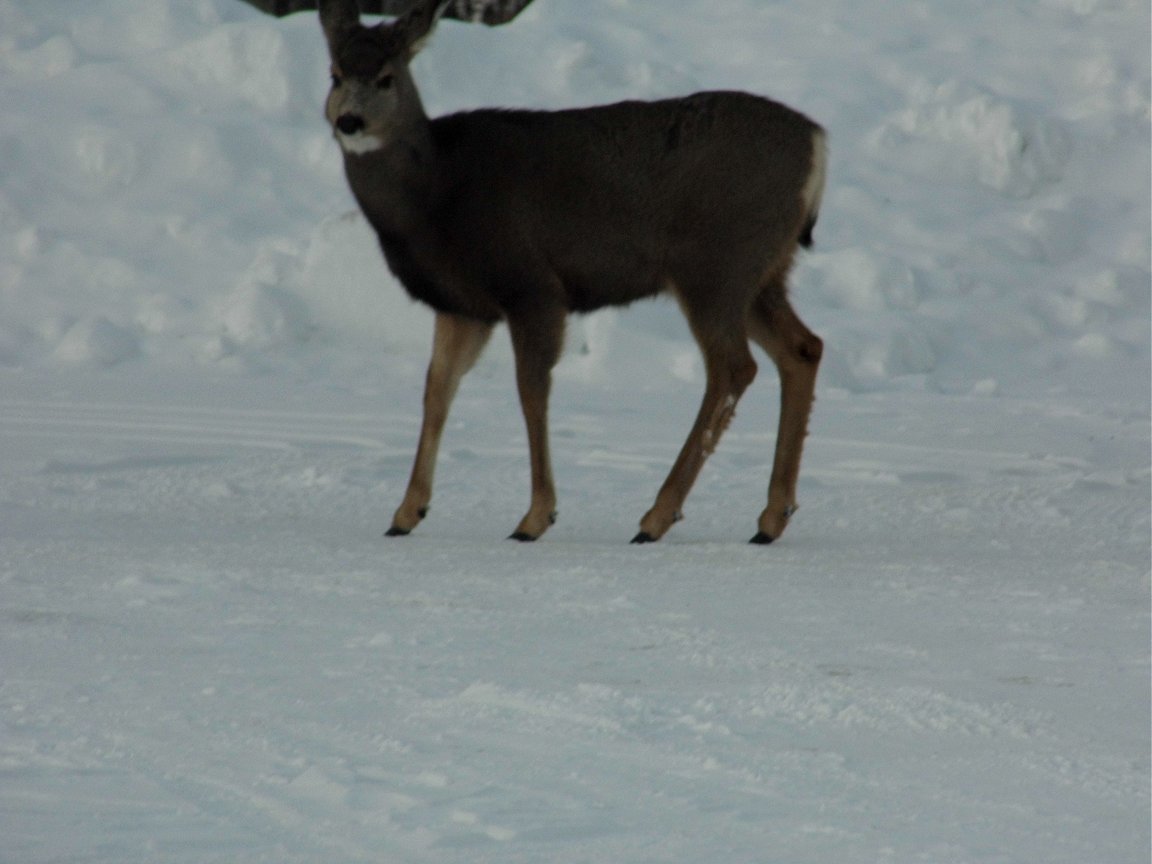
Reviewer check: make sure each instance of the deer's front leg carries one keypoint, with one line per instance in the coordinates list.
(456, 345)
(536, 341)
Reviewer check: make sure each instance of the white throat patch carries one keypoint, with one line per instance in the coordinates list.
(359, 144)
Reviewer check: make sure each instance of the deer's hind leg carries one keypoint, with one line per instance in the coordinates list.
(796, 351)
(730, 368)
(456, 345)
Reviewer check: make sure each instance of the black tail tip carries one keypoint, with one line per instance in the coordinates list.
(806, 235)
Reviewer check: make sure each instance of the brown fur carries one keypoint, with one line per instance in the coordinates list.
(526, 216)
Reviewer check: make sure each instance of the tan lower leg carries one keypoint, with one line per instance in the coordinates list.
(796, 352)
(725, 385)
(457, 343)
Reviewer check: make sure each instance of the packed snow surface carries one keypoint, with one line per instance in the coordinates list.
(210, 394)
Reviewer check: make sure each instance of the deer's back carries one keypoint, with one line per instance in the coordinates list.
(613, 203)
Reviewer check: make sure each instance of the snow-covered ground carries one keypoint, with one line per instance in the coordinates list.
(209, 397)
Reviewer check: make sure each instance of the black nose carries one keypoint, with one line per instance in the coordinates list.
(350, 124)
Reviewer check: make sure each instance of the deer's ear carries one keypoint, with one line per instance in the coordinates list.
(338, 18)
(415, 28)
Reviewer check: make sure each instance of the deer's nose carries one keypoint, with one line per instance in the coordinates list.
(350, 124)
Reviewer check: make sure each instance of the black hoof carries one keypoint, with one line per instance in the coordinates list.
(396, 531)
(762, 539)
(643, 537)
(522, 536)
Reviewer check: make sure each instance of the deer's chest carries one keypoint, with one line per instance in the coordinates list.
(433, 282)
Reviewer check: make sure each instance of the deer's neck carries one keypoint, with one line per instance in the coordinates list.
(395, 184)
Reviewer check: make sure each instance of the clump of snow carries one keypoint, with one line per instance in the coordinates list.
(342, 276)
(211, 390)
(955, 131)
(97, 342)
(249, 63)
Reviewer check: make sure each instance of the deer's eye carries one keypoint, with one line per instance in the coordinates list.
(384, 82)
(336, 80)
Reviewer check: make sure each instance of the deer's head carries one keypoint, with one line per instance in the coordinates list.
(373, 97)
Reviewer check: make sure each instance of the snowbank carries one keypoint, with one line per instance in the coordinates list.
(171, 195)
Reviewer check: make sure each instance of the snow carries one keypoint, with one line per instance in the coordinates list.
(211, 395)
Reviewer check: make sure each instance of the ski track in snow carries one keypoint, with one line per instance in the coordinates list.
(209, 403)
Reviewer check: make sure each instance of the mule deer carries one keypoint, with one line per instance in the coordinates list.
(526, 216)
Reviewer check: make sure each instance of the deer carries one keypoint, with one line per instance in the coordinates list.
(526, 216)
